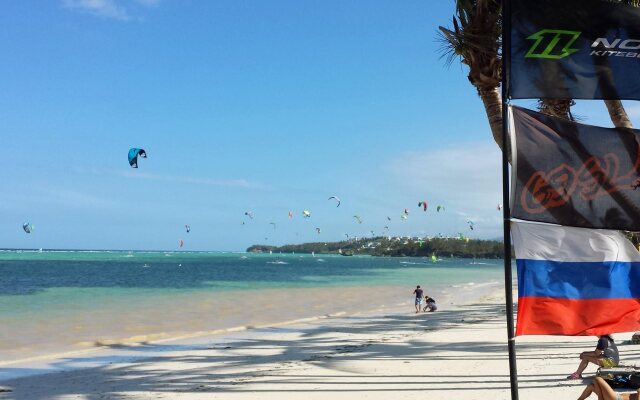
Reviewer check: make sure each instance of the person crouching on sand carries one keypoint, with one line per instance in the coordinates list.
(604, 392)
(418, 292)
(430, 304)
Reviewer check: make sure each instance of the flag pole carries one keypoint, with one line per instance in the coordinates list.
(506, 211)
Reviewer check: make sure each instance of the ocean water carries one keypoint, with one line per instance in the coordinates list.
(53, 302)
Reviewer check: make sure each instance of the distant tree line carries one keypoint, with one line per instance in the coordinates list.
(395, 247)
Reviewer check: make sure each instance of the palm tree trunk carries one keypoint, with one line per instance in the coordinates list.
(618, 114)
(492, 101)
(620, 119)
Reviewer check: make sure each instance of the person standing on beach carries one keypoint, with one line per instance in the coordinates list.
(418, 292)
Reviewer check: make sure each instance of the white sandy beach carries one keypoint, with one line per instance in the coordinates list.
(458, 352)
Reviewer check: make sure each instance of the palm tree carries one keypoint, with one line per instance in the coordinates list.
(616, 110)
(618, 114)
(475, 38)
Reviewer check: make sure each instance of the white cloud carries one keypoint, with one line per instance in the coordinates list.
(239, 183)
(466, 179)
(107, 8)
(103, 8)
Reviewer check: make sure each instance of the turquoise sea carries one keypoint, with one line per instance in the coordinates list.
(58, 301)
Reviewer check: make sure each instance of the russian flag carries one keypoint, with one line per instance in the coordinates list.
(575, 281)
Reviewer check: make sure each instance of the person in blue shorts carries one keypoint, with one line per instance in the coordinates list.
(418, 292)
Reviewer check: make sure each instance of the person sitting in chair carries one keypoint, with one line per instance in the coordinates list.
(605, 355)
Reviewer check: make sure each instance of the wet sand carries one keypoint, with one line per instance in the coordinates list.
(162, 317)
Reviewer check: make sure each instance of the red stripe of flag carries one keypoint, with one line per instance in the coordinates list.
(571, 317)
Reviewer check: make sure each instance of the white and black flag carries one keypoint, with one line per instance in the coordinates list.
(574, 174)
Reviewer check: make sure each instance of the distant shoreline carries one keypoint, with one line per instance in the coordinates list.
(387, 246)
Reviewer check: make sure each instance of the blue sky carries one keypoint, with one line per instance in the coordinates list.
(262, 106)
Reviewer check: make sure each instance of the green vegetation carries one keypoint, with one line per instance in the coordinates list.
(395, 247)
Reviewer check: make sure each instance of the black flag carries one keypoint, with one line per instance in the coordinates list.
(573, 174)
(575, 49)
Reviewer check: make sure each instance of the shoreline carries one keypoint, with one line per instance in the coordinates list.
(197, 314)
(459, 351)
(130, 348)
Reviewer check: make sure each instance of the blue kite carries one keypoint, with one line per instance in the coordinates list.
(133, 156)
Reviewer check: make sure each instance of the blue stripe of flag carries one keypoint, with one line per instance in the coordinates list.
(579, 280)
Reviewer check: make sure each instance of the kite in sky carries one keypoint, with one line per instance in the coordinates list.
(133, 156)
